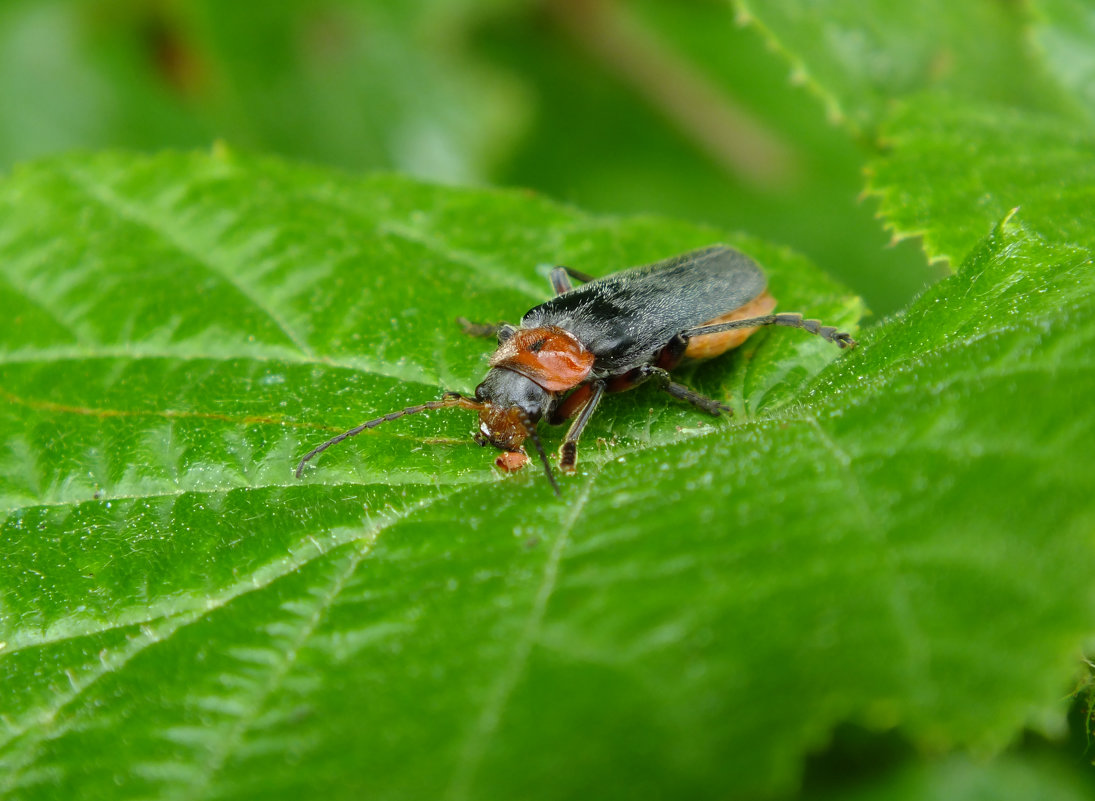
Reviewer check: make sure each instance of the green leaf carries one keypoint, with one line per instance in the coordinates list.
(857, 57)
(899, 536)
(954, 169)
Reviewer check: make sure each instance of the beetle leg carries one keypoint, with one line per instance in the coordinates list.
(560, 279)
(571, 405)
(649, 372)
(790, 320)
(673, 353)
(568, 451)
(503, 330)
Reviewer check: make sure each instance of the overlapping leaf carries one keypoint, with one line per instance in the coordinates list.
(954, 169)
(858, 57)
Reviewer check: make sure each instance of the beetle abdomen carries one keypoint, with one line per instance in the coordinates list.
(712, 345)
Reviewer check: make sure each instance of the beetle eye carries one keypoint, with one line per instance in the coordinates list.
(481, 392)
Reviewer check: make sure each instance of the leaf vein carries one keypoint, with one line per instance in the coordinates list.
(490, 716)
(257, 580)
(41, 304)
(44, 724)
(875, 528)
(51, 729)
(233, 739)
(131, 213)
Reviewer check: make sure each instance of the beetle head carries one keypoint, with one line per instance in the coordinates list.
(511, 407)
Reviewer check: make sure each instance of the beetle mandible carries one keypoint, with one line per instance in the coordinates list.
(609, 335)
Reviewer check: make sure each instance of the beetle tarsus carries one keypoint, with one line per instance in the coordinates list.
(788, 319)
(568, 456)
(844, 340)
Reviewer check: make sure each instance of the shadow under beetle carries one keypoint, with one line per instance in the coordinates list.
(609, 335)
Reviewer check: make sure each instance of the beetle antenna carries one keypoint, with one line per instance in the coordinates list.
(530, 427)
(448, 401)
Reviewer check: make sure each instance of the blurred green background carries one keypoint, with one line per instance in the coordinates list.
(660, 106)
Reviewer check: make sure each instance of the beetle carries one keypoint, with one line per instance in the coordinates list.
(609, 335)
